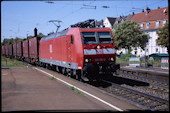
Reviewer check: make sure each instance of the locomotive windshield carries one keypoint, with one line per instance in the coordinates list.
(104, 37)
(96, 37)
(89, 37)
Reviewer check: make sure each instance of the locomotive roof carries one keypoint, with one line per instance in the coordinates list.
(55, 35)
(63, 33)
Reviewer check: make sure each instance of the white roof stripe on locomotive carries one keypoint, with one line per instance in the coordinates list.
(55, 35)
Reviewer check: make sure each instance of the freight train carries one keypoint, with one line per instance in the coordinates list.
(83, 53)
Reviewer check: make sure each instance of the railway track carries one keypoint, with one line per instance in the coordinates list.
(156, 87)
(140, 97)
(146, 100)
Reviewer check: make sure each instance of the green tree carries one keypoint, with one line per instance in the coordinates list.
(163, 36)
(41, 35)
(127, 35)
(17, 39)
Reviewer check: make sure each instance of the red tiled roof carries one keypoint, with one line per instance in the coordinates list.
(157, 14)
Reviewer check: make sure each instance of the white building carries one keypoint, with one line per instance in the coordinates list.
(109, 21)
(149, 22)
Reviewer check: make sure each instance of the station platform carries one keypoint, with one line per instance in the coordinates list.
(149, 70)
(28, 89)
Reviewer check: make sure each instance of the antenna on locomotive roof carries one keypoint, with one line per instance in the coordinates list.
(58, 26)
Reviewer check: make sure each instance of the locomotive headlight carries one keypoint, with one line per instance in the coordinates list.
(86, 60)
(111, 59)
(98, 47)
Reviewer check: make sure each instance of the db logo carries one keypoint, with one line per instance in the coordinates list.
(99, 51)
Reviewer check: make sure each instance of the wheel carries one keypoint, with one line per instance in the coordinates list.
(57, 68)
(63, 71)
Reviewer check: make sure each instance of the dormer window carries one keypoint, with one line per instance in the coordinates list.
(157, 23)
(147, 24)
(164, 22)
(141, 25)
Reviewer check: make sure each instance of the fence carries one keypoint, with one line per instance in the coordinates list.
(165, 62)
(134, 61)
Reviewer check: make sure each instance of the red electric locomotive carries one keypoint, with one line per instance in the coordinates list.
(79, 52)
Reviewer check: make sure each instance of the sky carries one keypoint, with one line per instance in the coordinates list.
(19, 18)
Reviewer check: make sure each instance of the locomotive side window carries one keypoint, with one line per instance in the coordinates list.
(72, 40)
(89, 37)
(105, 37)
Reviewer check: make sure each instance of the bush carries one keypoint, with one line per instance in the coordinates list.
(124, 58)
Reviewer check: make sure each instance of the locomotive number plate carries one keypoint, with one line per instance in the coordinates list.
(99, 51)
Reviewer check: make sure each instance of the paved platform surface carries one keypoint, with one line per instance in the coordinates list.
(27, 89)
(149, 69)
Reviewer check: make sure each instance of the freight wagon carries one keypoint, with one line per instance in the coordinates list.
(10, 47)
(19, 51)
(3, 50)
(6, 51)
(15, 50)
(25, 50)
(34, 49)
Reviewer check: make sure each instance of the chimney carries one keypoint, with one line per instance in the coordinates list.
(147, 10)
(158, 7)
(133, 13)
(165, 11)
(35, 32)
(142, 10)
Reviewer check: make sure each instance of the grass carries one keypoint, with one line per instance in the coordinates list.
(125, 59)
(53, 78)
(76, 90)
(7, 62)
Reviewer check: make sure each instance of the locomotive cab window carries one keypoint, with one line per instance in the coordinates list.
(105, 37)
(89, 37)
(72, 41)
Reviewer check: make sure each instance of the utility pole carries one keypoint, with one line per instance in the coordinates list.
(58, 22)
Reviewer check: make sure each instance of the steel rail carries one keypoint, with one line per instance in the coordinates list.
(146, 100)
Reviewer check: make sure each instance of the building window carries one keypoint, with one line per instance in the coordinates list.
(147, 24)
(164, 22)
(156, 49)
(141, 25)
(146, 50)
(157, 23)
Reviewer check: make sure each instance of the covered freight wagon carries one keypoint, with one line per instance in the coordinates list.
(6, 51)
(15, 50)
(10, 47)
(25, 50)
(19, 51)
(3, 50)
(34, 49)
